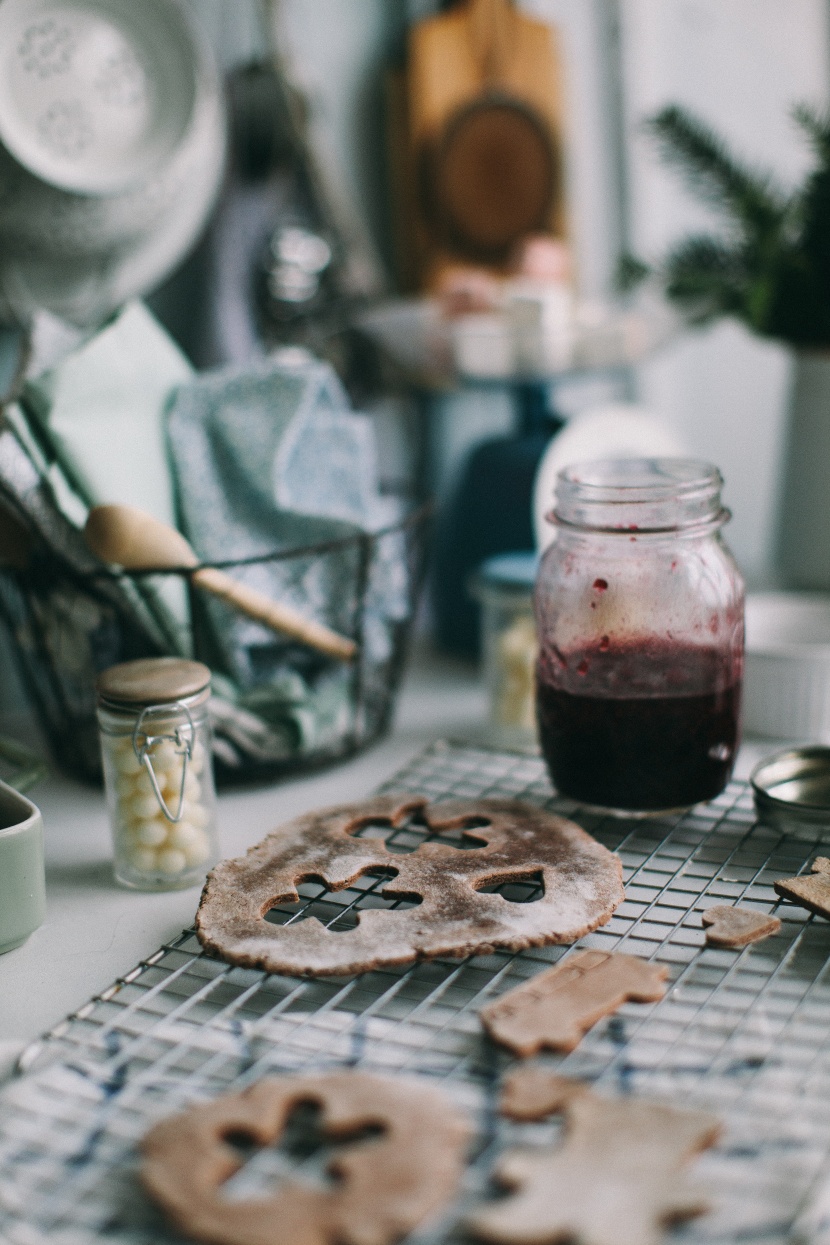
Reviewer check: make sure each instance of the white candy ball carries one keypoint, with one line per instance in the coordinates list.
(171, 860)
(142, 859)
(192, 786)
(128, 785)
(164, 756)
(183, 834)
(127, 763)
(150, 833)
(195, 813)
(198, 851)
(169, 781)
(140, 807)
(173, 776)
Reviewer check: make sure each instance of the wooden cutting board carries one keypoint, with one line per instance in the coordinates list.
(484, 121)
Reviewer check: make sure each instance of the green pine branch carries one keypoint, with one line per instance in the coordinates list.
(746, 197)
(816, 126)
(705, 276)
(771, 267)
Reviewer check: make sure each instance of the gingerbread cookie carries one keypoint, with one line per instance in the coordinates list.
(554, 1010)
(737, 927)
(455, 917)
(617, 1179)
(385, 1185)
(809, 891)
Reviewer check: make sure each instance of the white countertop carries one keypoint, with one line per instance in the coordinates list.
(96, 930)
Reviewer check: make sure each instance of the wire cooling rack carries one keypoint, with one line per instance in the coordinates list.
(745, 1034)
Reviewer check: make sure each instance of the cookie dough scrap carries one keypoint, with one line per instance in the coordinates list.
(733, 928)
(554, 1010)
(385, 1186)
(810, 891)
(453, 915)
(616, 1179)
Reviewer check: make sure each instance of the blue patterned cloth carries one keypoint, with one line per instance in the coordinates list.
(270, 459)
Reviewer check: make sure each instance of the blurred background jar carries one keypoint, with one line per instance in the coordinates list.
(640, 613)
(156, 750)
(503, 587)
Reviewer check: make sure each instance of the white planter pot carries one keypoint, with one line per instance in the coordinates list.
(803, 553)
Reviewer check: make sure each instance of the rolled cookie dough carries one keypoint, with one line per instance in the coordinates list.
(513, 841)
(385, 1185)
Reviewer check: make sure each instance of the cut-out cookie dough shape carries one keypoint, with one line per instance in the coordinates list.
(554, 1010)
(616, 1179)
(737, 927)
(809, 890)
(582, 887)
(385, 1185)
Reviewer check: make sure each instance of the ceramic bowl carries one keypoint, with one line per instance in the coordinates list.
(787, 679)
(22, 885)
(93, 94)
(113, 138)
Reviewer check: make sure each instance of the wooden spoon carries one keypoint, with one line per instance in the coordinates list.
(129, 537)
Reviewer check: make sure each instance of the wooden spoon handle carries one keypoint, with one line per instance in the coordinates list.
(280, 618)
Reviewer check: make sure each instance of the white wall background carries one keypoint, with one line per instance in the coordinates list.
(588, 33)
(741, 65)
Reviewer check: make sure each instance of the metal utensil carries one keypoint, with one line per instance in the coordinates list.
(793, 786)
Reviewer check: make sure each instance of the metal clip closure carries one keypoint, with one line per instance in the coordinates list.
(183, 738)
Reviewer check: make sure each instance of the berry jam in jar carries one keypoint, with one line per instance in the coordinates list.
(639, 609)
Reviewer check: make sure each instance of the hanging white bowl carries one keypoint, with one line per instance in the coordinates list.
(112, 142)
(94, 93)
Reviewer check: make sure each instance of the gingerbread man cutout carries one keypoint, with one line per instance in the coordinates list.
(555, 1009)
(811, 891)
(616, 1179)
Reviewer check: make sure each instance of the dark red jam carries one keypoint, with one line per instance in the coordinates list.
(639, 727)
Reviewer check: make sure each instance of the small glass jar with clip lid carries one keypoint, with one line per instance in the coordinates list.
(155, 745)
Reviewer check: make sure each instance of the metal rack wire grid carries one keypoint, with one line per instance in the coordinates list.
(742, 1033)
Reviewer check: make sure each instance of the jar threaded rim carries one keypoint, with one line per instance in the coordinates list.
(639, 494)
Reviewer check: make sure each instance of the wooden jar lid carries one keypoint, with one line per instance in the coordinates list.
(152, 681)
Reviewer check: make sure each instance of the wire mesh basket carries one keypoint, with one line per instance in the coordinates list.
(278, 707)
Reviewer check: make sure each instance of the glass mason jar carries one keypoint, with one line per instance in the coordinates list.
(503, 586)
(155, 746)
(640, 615)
